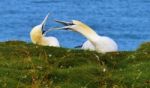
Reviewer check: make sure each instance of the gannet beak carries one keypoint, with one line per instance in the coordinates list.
(67, 25)
(44, 22)
(64, 22)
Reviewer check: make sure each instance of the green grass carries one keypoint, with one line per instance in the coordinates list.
(25, 65)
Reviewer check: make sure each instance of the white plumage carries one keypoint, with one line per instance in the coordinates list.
(87, 45)
(38, 37)
(102, 44)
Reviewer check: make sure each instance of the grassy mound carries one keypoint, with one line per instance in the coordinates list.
(25, 65)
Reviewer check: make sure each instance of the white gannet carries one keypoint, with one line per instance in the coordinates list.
(101, 44)
(38, 37)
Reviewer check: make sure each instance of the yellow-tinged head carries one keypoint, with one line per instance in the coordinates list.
(37, 32)
(79, 26)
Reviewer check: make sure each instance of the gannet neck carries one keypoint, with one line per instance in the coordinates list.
(85, 30)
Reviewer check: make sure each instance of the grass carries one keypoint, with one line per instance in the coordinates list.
(24, 65)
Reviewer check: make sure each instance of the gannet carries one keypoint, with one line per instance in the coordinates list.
(101, 44)
(38, 37)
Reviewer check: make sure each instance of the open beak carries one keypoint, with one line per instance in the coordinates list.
(67, 25)
(64, 22)
(44, 22)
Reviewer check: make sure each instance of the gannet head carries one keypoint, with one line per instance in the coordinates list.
(37, 32)
(77, 26)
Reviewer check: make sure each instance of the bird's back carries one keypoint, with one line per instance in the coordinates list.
(51, 41)
(87, 45)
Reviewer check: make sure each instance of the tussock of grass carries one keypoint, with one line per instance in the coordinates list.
(144, 47)
(25, 65)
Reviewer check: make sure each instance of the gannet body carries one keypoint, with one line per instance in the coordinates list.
(101, 44)
(38, 37)
(87, 45)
